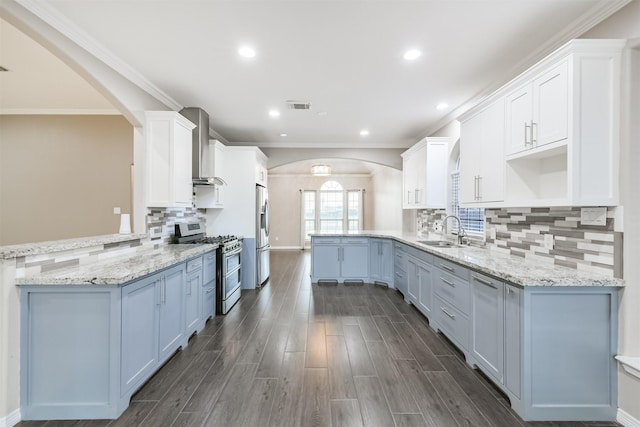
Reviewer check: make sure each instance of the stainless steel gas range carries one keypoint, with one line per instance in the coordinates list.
(228, 262)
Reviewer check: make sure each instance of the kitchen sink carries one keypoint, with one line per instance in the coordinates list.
(439, 243)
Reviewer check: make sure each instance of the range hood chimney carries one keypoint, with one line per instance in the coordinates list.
(202, 160)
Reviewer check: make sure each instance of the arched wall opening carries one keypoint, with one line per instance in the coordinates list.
(380, 187)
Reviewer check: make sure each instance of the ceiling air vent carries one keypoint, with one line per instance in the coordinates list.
(299, 105)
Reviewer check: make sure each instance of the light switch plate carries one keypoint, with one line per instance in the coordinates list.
(593, 216)
(116, 211)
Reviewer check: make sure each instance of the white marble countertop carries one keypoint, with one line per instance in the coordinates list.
(14, 251)
(516, 270)
(119, 270)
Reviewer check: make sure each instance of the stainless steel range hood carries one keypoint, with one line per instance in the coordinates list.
(203, 161)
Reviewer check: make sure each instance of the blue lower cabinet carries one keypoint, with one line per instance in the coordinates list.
(140, 321)
(171, 329)
(86, 349)
(70, 353)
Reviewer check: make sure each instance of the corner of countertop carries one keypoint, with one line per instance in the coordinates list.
(37, 248)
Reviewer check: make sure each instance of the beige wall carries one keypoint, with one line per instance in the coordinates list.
(285, 203)
(61, 176)
(387, 199)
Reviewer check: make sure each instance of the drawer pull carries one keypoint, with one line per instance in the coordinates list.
(444, 310)
(209, 290)
(485, 282)
(448, 282)
(446, 267)
(399, 275)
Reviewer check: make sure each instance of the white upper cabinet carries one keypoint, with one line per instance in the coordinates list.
(213, 196)
(482, 156)
(424, 174)
(561, 133)
(168, 139)
(261, 169)
(537, 113)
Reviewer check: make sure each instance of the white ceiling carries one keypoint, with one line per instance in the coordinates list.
(343, 56)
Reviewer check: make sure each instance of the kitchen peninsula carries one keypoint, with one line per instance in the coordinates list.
(99, 316)
(546, 335)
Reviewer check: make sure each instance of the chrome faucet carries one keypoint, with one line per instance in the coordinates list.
(461, 232)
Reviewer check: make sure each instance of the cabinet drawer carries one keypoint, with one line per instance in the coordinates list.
(355, 240)
(452, 323)
(452, 268)
(325, 240)
(452, 289)
(194, 264)
(399, 259)
(421, 255)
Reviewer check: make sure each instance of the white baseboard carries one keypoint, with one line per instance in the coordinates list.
(626, 419)
(286, 248)
(12, 419)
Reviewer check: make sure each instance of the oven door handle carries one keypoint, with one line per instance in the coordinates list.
(233, 252)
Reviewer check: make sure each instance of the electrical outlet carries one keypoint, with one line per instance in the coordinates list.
(437, 226)
(116, 211)
(548, 241)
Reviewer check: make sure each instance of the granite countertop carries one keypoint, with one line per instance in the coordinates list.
(515, 270)
(119, 270)
(14, 251)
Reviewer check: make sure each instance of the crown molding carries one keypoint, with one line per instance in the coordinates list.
(598, 13)
(316, 145)
(61, 23)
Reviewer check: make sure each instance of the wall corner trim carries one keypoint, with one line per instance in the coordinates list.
(626, 419)
(12, 419)
(630, 364)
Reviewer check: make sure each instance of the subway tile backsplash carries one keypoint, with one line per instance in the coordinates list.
(521, 232)
(161, 221)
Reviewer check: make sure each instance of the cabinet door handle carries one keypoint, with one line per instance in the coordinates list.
(479, 187)
(526, 128)
(446, 267)
(416, 196)
(448, 282)
(484, 282)
(534, 139)
(163, 290)
(189, 287)
(508, 290)
(159, 292)
(399, 275)
(408, 197)
(444, 310)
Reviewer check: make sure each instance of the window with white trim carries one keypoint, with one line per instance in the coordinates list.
(471, 219)
(331, 210)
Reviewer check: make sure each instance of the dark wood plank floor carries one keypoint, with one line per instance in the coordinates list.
(297, 354)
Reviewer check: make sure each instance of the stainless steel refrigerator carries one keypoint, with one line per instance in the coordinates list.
(262, 236)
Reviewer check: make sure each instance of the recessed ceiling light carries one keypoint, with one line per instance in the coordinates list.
(442, 106)
(274, 113)
(412, 54)
(364, 132)
(246, 52)
(283, 134)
